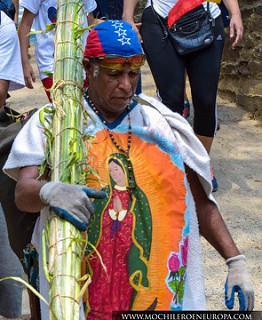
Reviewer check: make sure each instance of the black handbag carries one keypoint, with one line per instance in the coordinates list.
(192, 32)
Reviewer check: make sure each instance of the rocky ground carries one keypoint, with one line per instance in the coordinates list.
(237, 154)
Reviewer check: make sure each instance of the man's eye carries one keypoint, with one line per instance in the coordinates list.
(134, 74)
(114, 73)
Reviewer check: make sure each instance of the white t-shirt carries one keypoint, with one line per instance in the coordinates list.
(45, 11)
(162, 7)
(10, 56)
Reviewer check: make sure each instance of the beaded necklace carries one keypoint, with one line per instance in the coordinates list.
(131, 182)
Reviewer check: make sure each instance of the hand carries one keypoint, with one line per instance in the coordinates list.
(70, 202)
(135, 26)
(236, 29)
(117, 204)
(29, 75)
(238, 280)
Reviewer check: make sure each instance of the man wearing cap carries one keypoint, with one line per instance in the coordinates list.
(155, 192)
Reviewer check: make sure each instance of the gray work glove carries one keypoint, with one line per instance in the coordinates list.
(70, 202)
(238, 280)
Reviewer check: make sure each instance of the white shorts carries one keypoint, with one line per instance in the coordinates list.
(10, 57)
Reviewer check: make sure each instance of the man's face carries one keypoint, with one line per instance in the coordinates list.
(112, 90)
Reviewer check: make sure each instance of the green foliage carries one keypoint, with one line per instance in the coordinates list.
(66, 157)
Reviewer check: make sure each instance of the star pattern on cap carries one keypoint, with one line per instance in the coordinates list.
(117, 24)
(121, 33)
(124, 41)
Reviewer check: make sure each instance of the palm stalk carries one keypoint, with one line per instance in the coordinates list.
(66, 155)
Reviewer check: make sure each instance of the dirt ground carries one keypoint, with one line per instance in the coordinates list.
(237, 157)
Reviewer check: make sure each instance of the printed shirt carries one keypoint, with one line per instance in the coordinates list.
(159, 224)
(45, 14)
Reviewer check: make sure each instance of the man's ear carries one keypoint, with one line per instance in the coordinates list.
(86, 64)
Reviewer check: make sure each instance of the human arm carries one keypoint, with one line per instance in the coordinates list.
(236, 26)
(213, 228)
(24, 29)
(68, 201)
(128, 14)
(211, 224)
(16, 4)
(27, 190)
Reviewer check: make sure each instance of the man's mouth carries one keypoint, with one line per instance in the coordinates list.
(123, 98)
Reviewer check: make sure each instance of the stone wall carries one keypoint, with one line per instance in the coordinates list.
(241, 72)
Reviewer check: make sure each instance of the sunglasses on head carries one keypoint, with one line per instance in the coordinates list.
(117, 62)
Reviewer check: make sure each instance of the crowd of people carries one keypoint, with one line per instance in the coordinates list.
(145, 214)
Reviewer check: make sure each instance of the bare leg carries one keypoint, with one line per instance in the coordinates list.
(207, 142)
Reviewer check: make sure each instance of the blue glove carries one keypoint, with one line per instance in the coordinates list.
(70, 202)
(238, 281)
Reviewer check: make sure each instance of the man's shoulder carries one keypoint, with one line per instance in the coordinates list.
(150, 109)
(146, 101)
(152, 104)
(161, 116)
(154, 108)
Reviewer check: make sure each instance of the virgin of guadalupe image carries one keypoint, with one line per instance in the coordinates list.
(121, 232)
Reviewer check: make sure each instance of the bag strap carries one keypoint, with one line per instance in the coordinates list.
(162, 25)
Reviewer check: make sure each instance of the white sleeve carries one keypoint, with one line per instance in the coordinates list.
(27, 149)
(32, 6)
(90, 5)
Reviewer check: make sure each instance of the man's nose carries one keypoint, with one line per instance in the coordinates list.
(125, 83)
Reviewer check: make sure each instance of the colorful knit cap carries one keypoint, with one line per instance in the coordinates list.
(112, 37)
